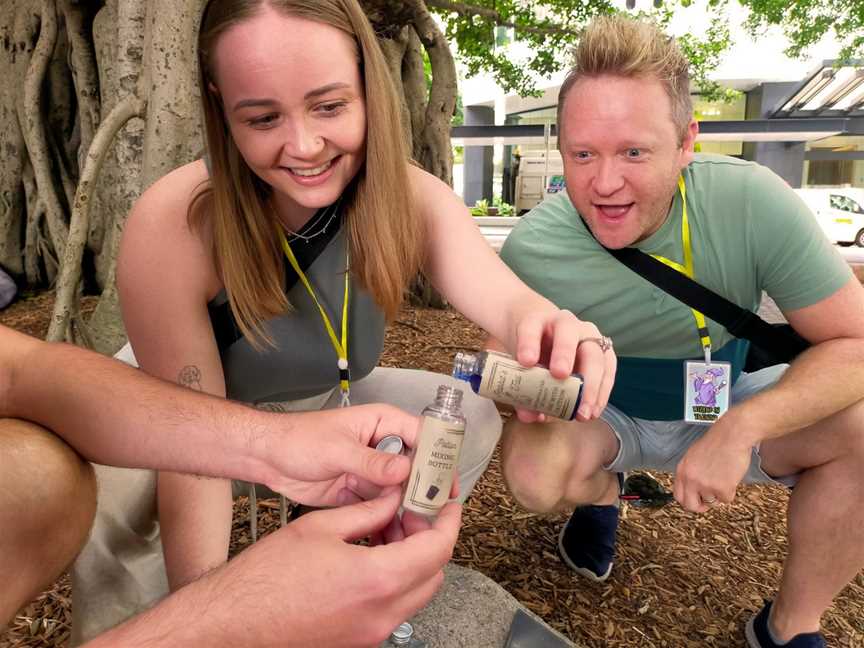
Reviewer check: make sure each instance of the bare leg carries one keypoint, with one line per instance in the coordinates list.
(825, 518)
(558, 465)
(47, 503)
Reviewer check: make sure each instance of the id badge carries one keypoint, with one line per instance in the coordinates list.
(706, 393)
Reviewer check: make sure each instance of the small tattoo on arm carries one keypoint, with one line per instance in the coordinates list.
(190, 376)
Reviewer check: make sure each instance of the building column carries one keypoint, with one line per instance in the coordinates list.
(479, 163)
(786, 159)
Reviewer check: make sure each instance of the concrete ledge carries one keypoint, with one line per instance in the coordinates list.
(470, 611)
(496, 229)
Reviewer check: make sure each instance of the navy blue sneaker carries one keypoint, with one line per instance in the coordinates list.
(587, 541)
(759, 636)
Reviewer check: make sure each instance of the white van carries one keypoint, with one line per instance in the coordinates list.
(840, 212)
(537, 179)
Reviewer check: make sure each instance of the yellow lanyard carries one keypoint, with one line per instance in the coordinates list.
(341, 348)
(687, 269)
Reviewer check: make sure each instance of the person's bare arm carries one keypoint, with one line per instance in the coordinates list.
(305, 585)
(470, 275)
(823, 380)
(165, 277)
(113, 414)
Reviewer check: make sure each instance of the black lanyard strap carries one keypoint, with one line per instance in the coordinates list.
(782, 342)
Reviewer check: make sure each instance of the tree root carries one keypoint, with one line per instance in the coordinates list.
(416, 94)
(34, 129)
(82, 63)
(35, 214)
(70, 271)
(394, 53)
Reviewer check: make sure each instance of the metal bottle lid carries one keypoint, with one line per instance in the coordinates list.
(401, 636)
(390, 444)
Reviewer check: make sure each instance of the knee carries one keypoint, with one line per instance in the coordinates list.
(855, 440)
(46, 487)
(48, 497)
(535, 474)
(852, 425)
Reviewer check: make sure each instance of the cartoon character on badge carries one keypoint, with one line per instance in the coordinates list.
(706, 388)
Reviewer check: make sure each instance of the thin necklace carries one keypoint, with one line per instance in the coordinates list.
(331, 211)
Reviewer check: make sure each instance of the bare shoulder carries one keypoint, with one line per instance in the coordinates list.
(158, 236)
(431, 195)
(423, 182)
(165, 204)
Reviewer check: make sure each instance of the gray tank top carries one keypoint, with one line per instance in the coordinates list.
(303, 363)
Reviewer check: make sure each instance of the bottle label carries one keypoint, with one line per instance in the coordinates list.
(533, 388)
(434, 465)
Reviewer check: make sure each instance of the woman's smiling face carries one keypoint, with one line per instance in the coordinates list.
(293, 99)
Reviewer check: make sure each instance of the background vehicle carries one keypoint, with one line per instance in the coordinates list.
(537, 178)
(840, 212)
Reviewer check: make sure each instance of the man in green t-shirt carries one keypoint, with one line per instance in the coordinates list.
(626, 135)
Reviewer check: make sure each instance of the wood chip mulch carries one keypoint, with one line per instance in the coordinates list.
(680, 580)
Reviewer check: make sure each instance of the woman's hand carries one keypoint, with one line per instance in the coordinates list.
(566, 344)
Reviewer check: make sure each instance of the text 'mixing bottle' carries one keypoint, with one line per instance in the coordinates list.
(436, 455)
(500, 377)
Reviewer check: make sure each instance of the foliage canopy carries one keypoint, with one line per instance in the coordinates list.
(550, 28)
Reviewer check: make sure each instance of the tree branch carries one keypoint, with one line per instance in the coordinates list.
(394, 53)
(414, 84)
(467, 10)
(82, 61)
(33, 126)
(437, 158)
(70, 269)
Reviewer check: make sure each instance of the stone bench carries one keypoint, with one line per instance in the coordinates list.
(469, 611)
(496, 229)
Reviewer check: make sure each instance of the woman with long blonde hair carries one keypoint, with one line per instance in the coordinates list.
(266, 272)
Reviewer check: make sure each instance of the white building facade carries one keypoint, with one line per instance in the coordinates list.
(802, 118)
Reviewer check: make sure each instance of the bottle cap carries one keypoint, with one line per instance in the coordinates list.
(463, 365)
(402, 635)
(391, 444)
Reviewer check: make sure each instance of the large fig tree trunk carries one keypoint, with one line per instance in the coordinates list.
(407, 32)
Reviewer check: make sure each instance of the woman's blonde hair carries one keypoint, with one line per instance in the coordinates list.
(384, 233)
(620, 46)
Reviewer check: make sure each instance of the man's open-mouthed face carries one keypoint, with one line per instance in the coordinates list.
(622, 155)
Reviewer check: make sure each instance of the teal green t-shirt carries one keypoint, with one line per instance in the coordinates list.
(749, 232)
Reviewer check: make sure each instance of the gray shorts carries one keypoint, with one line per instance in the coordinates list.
(660, 445)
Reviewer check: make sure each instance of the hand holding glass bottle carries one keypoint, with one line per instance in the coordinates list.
(500, 377)
(589, 356)
(434, 461)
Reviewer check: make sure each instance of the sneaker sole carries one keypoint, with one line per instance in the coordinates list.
(750, 634)
(582, 571)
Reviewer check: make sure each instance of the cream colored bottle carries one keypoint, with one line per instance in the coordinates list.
(436, 455)
(500, 377)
